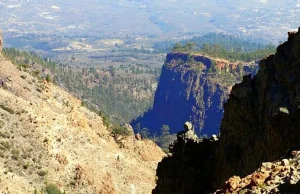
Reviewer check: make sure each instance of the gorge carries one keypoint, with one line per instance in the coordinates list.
(193, 87)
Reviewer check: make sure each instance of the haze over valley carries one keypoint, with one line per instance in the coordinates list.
(149, 96)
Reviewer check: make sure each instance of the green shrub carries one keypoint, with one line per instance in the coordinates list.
(105, 119)
(7, 109)
(53, 189)
(120, 131)
(48, 78)
(5, 145)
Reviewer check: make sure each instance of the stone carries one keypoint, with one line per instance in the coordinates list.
(232, 184)
(188, 133)
(188, 126)
(259, 178)
(138, 137)
(285, 162)
(294, 177)
(268, 165)
(284, 110)
(214, 138)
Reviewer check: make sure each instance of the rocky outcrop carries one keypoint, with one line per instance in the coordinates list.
(187, 168)
(281, 176)
(194, 88)
(260, 124)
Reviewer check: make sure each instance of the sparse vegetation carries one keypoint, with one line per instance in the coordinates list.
(119, 131)
(1, 124)
(42, 173)
(217, 50)
(7, 109)
(5, 145)
(53, 189)
(122, 93)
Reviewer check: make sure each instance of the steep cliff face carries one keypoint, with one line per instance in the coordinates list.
(261, 120)
(188, 169)
(191, 88)
(261, 123)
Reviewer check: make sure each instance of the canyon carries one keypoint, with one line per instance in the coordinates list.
(48, 138)
(193, 87)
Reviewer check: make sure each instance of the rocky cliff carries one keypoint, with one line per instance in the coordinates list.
(280, 176)
(261, 124)
(192, 88)
(49, 140)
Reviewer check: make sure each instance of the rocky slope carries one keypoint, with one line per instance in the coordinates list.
(280, 176)
(260, 124)
(192, 88)
(47, 137)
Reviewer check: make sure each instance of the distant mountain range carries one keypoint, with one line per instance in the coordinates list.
(169, 18)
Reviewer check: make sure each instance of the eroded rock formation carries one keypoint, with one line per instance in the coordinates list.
(281, 176)
(260, 124)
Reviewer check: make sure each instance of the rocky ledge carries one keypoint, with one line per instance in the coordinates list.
(281, 176)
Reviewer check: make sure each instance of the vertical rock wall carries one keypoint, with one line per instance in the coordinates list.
(188, 91)
(260, 124)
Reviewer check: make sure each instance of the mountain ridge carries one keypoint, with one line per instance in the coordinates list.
(47, 137)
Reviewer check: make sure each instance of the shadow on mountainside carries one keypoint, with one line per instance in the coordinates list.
(288, 188)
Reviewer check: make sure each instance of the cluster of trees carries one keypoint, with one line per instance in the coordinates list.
(113, 95)
(229, 42)
(225, 46)
(217, 50)
(189, 46)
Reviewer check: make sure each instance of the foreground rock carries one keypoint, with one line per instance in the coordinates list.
(185, 170)
(47, 137)
(261, 123)
(281, 176)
